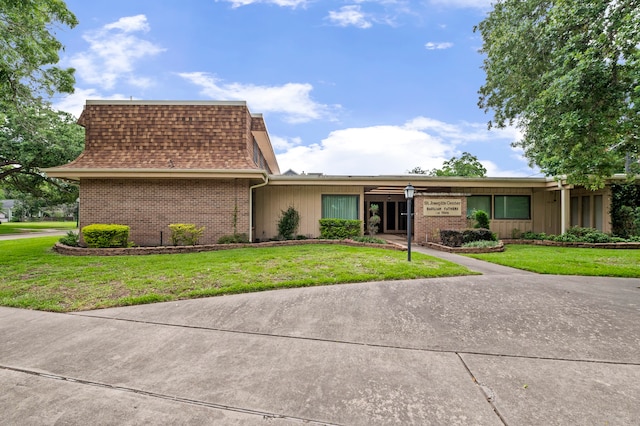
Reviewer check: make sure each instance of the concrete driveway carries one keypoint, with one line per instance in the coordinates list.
(506, 347)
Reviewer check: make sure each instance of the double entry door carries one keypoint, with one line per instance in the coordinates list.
(393, 215)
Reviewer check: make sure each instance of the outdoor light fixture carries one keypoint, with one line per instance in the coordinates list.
(409, 190)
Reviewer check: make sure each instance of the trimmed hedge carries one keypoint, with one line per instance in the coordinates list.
(340, 229)
(106, 235)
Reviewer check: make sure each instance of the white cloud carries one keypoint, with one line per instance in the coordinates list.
(393, 150)
(292, 100)
(477, 4)
(74, 103)
(114, 52)
(281, 3)
(349, 16)
(438, 46)
(281, 144)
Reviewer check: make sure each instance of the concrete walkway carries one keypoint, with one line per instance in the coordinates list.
(505, 347)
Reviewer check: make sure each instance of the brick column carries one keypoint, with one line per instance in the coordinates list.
(435, 212)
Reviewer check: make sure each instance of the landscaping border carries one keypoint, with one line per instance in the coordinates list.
(624, 246)
(133, 251)
(465, 250)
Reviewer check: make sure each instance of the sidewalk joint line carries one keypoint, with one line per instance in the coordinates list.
(486, 391)
(345, 342)
(263, 414)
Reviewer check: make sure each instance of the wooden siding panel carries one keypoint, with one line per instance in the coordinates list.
(269, 201)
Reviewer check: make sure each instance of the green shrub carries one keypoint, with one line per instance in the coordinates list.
(340, 229)
(477, 234)
(369, 239)
(374, 220)
(234, 239)
(288, 223)
(451, 238)
(529, 235)
(106, 235)
(71, 239)
(480, 244)
(482, 219)
(185, 233)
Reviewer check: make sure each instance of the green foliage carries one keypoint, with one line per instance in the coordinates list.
(480, 244)
(71, 239)
(340, 229)
(467, 166)
(482, 219)
(106, 235)
(369, 240)
(32, 139)
(185, 233)
(234, 239)
(530, 235)
(288, 223)
(418, 171)
(455, 238)
(625, 201)
(566, 74)
(374, 219)
(29, 51)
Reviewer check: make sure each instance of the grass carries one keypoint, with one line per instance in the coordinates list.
(35, 277)
(568, 260)
(24, 227)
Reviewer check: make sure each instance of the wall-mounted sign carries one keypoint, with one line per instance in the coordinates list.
(443, 207)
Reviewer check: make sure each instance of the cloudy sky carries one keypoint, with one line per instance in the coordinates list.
(360, 87)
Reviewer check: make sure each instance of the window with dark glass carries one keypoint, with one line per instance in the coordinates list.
(479, 202)
(512, 207)
(340, 206)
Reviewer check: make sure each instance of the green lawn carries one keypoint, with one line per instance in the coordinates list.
(35, 277)
(568, 260)
(24, 227)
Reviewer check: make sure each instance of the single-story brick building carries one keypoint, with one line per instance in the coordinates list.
(148, 164)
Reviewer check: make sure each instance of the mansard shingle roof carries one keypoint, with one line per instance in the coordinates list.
(171, 135)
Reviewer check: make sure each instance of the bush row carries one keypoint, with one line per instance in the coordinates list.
(577, 234)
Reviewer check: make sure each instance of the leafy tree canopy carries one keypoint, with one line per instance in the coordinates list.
(467, 166)
(566, 72)
(29, 51)
(35, 138)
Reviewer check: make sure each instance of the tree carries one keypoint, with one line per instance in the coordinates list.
(567, 74)
(467, 165)
(29, 52)
(35, 138)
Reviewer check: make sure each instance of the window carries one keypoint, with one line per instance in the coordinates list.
(479, 202)
(597, 212)
(512, 207)
(340, 206)
(586, 211)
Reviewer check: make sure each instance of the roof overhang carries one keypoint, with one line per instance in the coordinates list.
(420, 182)
(77, 174)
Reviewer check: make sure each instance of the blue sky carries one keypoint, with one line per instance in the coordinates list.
(360, 87)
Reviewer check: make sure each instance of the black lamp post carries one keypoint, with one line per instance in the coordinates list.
(409, 190)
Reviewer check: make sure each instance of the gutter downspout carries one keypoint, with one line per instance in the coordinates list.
(251, 188)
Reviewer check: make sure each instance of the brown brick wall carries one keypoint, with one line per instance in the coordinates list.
(149, 206)
(427, 228)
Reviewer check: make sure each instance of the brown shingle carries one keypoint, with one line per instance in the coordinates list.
(172, 135)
